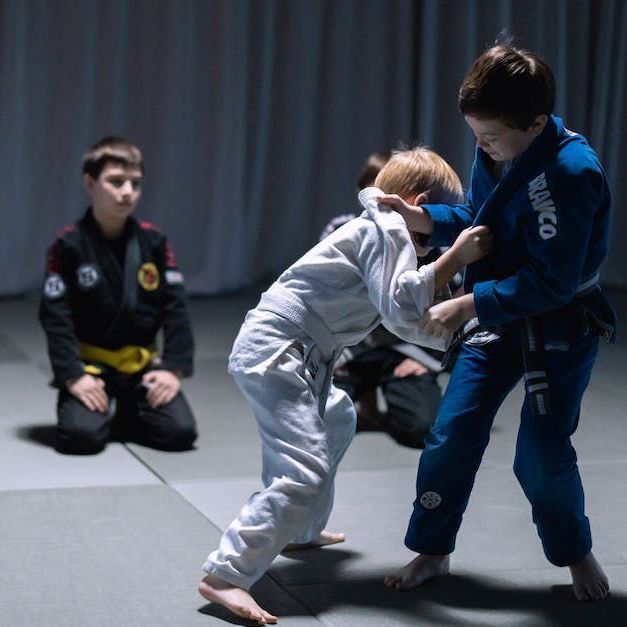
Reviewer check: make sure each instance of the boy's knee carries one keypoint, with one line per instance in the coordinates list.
(537, 478)
(313, 475)
(79, 441)
(349, 426)
(173, 430)
(306, 486)
(180, 438)
(80, 431)
(454, 443)
(526, 469)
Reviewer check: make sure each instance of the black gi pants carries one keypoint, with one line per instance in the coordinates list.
(80, 431)
(412, 401)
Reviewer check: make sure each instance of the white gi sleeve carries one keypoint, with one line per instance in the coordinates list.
(400, 293)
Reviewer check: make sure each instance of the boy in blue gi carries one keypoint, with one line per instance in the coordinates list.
(532, 308)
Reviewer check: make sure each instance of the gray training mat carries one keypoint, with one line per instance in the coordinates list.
(118, 538)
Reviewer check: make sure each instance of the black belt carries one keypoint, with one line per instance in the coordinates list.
(532, 342)
(536, 382)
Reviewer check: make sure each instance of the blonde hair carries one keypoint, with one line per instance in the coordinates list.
(420, 170)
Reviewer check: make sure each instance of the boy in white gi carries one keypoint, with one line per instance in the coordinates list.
(362, 274)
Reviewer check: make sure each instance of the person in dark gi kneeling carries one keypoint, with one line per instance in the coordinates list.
(112, 283)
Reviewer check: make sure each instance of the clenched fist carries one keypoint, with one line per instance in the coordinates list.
(472, 244)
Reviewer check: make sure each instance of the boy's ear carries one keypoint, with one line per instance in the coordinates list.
(421, 198)
(88, 183)
(539, 123)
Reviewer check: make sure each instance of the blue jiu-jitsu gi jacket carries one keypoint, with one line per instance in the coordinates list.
(550, 219)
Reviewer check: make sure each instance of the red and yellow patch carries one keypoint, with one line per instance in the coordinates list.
(148, 277)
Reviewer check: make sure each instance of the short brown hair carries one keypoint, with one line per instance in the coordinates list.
(372, 167)
(510, 84)
(112, 149)
(420, 170)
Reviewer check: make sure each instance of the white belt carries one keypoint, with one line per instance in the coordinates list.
(287, 304)
(324, 354)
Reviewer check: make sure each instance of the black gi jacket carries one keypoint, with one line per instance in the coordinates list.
(89, 297)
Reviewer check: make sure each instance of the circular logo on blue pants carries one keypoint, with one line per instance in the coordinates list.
(430, 500)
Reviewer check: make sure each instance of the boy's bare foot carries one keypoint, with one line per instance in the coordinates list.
(589, 580)
(234, 599)
(419, 570)
(324, 539)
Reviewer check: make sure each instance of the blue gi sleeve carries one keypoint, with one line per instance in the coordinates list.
(557, 232)
(448, 222)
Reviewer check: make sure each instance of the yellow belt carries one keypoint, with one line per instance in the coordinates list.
(127, 360)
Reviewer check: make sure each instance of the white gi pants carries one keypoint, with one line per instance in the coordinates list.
(300, 455)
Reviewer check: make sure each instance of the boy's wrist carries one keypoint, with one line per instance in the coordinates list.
(418, 220)
(426, 222)
(456, 256)
(467, 306)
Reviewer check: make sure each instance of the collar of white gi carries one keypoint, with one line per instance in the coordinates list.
(368, 197)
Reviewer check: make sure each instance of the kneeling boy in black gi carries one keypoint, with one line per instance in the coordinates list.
(111, 284)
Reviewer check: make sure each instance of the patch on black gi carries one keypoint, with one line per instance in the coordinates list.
(173, 277)
(148, 277)
(54, 287)
(87, 276)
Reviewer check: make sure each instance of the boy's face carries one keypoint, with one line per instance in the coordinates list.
(501, 142)
(115, 193)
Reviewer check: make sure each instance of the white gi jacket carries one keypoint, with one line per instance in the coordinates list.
(361, 275)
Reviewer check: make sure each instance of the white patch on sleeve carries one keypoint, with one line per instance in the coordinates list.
(87, 276)
(173, 277)
(430, 500)
(54, 287)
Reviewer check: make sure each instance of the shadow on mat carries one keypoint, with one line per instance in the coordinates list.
(313, 567)
(46, 435)
(445, 601)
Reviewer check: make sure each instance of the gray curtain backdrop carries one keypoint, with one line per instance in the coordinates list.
(255, 116)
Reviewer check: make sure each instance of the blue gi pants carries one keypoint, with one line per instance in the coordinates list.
(545, 462)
